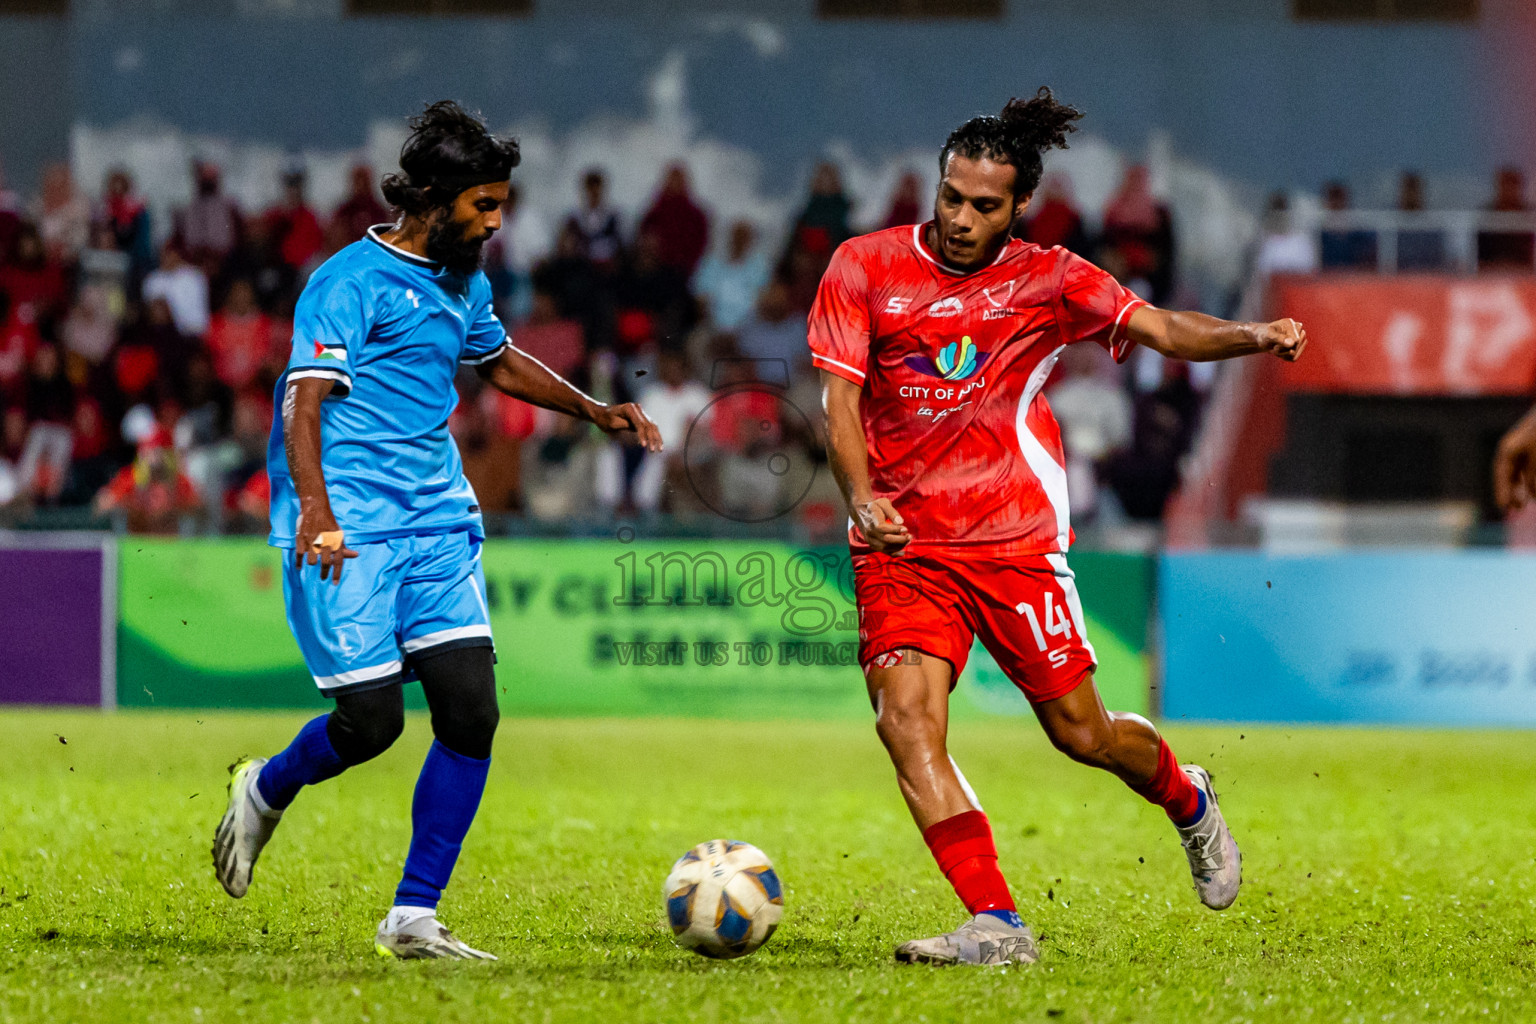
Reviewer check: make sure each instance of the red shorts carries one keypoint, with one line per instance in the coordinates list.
(1025, 610)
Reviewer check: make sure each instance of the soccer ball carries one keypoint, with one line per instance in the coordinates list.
(723, 899)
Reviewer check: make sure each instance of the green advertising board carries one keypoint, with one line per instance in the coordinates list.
(722, 628)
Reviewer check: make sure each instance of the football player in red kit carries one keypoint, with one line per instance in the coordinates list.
(934, 343)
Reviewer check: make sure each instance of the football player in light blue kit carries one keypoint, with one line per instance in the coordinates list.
(380, 529)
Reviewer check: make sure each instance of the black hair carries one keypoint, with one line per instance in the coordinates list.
(1020, 136)
(449, 150)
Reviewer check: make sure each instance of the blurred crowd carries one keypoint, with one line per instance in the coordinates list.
(1419, 242)
(138, 359)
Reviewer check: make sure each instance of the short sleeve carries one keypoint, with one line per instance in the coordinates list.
(487, 337)
(329, 326)
(839, 323)
(1096, 307)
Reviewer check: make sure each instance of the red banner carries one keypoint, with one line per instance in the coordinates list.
(1413, 335)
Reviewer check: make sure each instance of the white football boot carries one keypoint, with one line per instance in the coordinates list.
(984, 939)
(1214, 859)
(248, 824)
(421, 937)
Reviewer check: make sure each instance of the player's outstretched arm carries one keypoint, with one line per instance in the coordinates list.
(848, 454)
(1200, 338)
(317, 537)
(520, 375)
(1514, 465)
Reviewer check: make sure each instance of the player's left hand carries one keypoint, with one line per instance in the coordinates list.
(1514, 465)
(615, 419)
(1284, 338)
(321, 541)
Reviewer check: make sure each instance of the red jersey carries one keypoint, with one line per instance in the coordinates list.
(960, 438)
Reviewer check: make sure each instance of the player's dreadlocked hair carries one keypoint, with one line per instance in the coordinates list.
(1020, 135)
(449, 150)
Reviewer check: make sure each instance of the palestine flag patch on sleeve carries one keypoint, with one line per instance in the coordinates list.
(330, 352)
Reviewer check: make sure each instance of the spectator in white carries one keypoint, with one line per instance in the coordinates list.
(774, 334)
(1284, 248)
(674, 402)
(208, 228)
(597, 223)
(729, 284)
(63, 215)
(1095, 417)
(184, 287)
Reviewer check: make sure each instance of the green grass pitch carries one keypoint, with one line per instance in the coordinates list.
(1389, 876)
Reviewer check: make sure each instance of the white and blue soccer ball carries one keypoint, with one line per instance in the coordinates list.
(723, 899)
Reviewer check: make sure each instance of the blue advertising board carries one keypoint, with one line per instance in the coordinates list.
(1434, 638)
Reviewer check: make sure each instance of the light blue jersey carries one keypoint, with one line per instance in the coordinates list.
(390, 329)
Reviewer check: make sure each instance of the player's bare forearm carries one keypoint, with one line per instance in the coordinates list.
(317, 537)
(301, 443)
(523, 377)
(1199, 338)
(847, 452)
(848, 455)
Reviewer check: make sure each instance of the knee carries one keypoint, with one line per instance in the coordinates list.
(359, 737)
(903, 724)
(469, 729)
(1085, 745)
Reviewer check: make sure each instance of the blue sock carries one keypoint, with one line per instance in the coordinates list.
(309, 759)
(447, 797)
(1008, 917)
(1199, 811)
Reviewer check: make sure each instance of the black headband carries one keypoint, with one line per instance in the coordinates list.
(454, 184)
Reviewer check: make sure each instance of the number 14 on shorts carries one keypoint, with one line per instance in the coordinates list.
(1058, 622)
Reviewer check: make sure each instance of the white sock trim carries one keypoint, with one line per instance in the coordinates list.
(254, 792)
(399, 917)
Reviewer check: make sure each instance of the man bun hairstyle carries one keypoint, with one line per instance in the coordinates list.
(1020, 136)
(449, 150)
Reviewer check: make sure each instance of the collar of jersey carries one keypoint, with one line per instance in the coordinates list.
(396, 251)
(922, 250)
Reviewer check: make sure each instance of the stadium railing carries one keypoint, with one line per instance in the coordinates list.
(1406, 241)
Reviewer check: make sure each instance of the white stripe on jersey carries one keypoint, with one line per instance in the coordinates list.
(817, 355)
(1051, 474)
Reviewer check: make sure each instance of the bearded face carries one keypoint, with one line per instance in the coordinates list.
(457, 244)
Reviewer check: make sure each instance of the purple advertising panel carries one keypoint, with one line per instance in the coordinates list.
(57, 622)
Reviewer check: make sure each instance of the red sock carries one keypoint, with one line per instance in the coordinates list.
(966, 854)
(1171, 789)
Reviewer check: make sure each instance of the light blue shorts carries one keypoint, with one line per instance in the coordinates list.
(399, 598)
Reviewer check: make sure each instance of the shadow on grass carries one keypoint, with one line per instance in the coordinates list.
(54, 940)
(617, 956)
